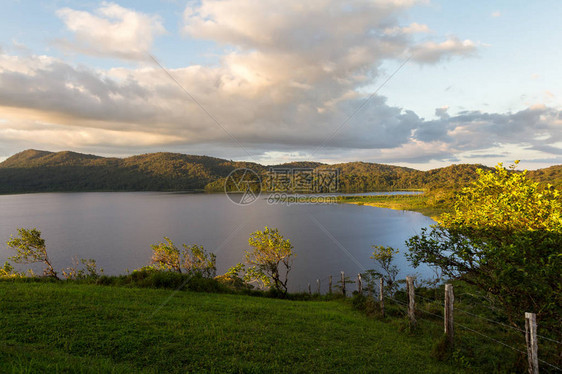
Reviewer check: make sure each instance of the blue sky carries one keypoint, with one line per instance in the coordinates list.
(282, 81)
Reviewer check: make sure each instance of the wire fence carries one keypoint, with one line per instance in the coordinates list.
(372, 289)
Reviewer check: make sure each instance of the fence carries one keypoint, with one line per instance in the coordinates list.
(531, 336)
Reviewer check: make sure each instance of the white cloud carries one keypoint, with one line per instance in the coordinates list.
(292, 75)
(113, 31)
(414, 28)
(431, 52)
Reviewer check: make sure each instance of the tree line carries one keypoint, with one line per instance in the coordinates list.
(41, 171)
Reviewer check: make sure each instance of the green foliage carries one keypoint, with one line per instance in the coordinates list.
(149, 277)
(31, 248)
(7, 271)
(82, 269)
(505, 201)
(384, 256)
(505, 237)
(166, 256)
(233, 278)
(191, 258)
(271, 259)
(196, 260)
(235, 271)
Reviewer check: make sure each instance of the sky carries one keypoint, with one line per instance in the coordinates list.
(422, 84)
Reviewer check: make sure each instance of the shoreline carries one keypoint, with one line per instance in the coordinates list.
(417, 203)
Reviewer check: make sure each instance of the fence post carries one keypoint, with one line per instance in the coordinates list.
(309, 290)
(532, 344)
(330, 285)
(411, 300)
(343, 283)
(318, 286)
(381, 296)
(449, 302)
(359, 284)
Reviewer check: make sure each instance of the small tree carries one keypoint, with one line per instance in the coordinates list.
(270, 257)
(196, 260)
(31, 248)
(384, 257)
(90, 269)
(166, 256)
(191, 258)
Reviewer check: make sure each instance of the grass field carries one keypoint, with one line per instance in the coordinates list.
(65, 327)
(421, 203)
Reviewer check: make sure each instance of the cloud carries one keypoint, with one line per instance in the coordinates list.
(548, 149)
(113, 31)
(292, 74)
(431, 52)
(414, 28)
(537, 126)
(496, 14)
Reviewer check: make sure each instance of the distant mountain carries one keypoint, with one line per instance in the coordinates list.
(41, 171)
(36, 171)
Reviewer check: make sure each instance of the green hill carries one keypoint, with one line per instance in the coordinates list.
(42, 171)
(552, 175)
(37, 171)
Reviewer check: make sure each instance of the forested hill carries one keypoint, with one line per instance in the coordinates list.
(42, 171)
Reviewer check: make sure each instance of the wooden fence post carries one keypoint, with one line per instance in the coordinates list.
(449, 302)
(532, 344)
(411, 300)
(318, 286)
(381, 296)
(330, 285)
(359, 284)
(343, 283)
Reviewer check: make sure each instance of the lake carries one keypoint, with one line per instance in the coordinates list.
(117, 229)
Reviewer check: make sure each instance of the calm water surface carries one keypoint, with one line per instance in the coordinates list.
(117, 230)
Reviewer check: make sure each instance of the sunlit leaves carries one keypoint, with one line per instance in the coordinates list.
(505, 236)
(31, 248)
(270, 255)
(190, 258)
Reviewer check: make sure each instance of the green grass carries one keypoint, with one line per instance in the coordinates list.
(68, 327)
(422, 203)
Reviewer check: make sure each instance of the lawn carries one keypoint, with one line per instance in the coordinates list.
(69, 327)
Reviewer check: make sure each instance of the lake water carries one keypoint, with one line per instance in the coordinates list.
(117, 229)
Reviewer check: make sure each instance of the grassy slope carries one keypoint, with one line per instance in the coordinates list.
(84, 328)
